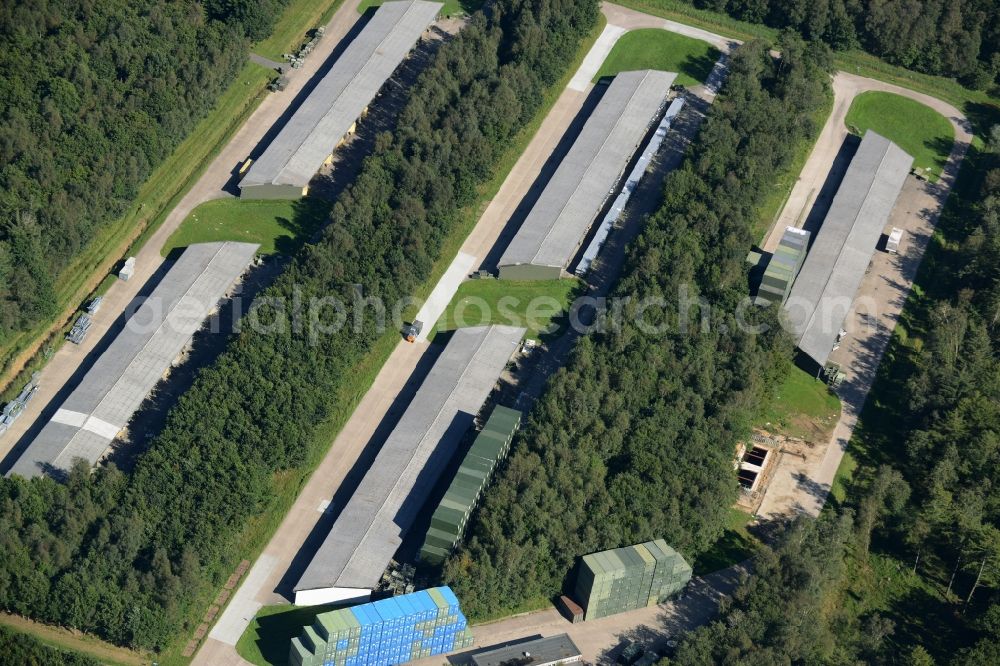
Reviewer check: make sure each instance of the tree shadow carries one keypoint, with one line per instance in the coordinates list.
(206, 345)
(275, 632)
(731, 548)
(309, 216)
(941, 147)
(699, 67)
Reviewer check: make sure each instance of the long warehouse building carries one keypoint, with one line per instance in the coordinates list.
(370, 528)
(558, 223)
(328, 115)
(824, 291)
(100, 407)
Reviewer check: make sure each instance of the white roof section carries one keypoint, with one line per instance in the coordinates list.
(833, 270)
(114, 388)
(371, 526)
(326, 116)
(587, 176)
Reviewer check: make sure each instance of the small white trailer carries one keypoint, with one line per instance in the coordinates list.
(128, 269)
(892, 243)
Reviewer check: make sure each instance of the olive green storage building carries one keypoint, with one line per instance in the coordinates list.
(490, 447)
(783, 267)
(623, 579)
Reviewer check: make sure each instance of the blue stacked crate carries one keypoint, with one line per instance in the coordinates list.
(386, 632)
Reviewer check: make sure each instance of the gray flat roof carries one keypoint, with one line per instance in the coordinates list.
(326, 116)
(836, 263)
(542, 651)
(587, 176)
(113, 389)
(371, 526)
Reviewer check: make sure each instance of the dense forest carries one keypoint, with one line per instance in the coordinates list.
(634, 438)
(24, 650)
(909, 570)
(125, 556)
(959, 38)
(93, 95)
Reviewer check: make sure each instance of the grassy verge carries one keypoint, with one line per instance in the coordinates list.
(290, 29)
(701, 18)
(775, 201)
(278, 226)
(262, 527)
(541, 306)
(451, 7)
(652, 48)
(735, 545)
(919, 130)
(64, 639)
(804, 407)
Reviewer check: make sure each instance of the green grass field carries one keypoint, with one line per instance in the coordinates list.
(652, 48)
(451, 7)
(295, 21)
(804, 407)
(279, 226)
(265, 642)
(540, 306)
(917, 129)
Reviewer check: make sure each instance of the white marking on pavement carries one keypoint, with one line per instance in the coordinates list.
(101, 427)
(69, 417)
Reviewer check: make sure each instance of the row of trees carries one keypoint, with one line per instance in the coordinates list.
(925, 498)
(25, 650)
(126, 556)
(634, 438)
(780, 614)
(92, 97)
(959, 38)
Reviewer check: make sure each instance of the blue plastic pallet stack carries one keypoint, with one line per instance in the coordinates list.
(390, 631)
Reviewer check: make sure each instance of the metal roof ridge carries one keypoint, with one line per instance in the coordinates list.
(854, 223)
(159, 327)
(433, 422)
(354, 77)
(590, 166)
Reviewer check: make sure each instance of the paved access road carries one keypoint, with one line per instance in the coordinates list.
(803, 485)
(269, 579)
(210, 186)
(597, 639)
(288, 551)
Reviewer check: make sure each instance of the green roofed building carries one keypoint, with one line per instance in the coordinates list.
(623, 579)
(490, 447)
(783, 267)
